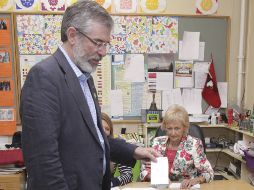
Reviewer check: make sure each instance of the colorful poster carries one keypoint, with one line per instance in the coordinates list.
(105, 3)
(118, 44)
(207, 7)
(137, 43)
(125, 6)
(6, 5)
(53, 5)
(153, 6)
(164, 35)
(5, 63)
(31, 44)
(27, 5)
(39, 34)
(139, 24)
(5, 32)
(119, 25)
(30, 24)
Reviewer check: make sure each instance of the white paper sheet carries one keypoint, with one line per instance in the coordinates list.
(134, 68)
(170, 97)
(164, 81)
(192, 100)
(178, 185)
(190, 46)
(116, 104)
(159, 171)
(201, 53)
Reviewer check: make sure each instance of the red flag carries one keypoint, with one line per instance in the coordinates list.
(210, 91)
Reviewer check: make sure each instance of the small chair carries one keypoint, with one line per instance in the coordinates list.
(194, 130)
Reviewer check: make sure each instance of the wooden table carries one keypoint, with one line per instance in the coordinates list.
(215, 185)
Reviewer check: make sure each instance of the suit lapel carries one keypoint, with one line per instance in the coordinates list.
(76, 90)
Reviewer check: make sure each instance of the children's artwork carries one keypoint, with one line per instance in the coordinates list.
(153, 6)
(139, 25)
(118, 44)
(207, 7)
(30, 24)
(106, 4)
(31, 44)
(27, 5)
(163, 25)
(52, 24)
(162, 44)
(38, 34)
(164, 37)
(137, 43)
(6, 5)
(125, 6)
(119, 25)
(53, 5)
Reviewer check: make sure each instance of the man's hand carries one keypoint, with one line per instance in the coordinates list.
(145, 154)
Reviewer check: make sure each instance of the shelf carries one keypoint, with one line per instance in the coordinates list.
(229, 128)
(228, 152)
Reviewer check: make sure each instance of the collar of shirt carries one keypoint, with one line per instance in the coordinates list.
(82, 76)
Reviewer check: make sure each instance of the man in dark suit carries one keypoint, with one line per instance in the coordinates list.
(63, 142)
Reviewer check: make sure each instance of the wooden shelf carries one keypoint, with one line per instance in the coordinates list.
(228, 152)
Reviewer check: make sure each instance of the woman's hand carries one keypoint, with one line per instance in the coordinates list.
(187, 183)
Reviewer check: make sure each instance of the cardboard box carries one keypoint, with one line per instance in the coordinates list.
(12, 181)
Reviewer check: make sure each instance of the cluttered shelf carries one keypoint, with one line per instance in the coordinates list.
(245, 132)
(228, 152)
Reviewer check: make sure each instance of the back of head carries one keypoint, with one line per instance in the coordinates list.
(82, 14)
(176, 113)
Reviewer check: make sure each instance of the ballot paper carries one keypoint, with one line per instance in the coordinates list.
(159, 171)
(178, 185)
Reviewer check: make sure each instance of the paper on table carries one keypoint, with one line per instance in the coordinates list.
(159, 171)
(178, 185)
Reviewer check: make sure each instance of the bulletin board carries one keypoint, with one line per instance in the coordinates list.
(8, 89)
(214, 31)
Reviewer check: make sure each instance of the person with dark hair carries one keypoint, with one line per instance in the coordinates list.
(187, 161)
(63, 142)
(125, 171)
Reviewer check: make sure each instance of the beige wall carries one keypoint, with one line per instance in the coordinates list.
(232, 9)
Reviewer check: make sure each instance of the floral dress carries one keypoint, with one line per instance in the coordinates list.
(190, 160)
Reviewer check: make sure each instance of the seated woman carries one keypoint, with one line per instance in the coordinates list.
(125, 171)
(186, 158)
